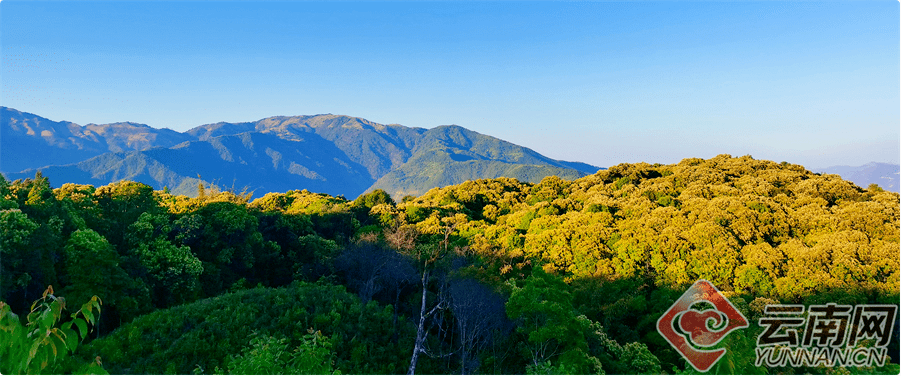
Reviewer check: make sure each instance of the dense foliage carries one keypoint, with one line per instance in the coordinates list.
(43, 343)
(488, 276)
(226, 332)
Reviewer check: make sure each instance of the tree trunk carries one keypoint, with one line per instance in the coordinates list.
(420, 331)
(463, 361)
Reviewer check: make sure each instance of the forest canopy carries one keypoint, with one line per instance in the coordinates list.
(479, 277)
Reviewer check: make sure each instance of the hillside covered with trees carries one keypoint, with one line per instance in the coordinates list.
(488, 276)
(335, 154)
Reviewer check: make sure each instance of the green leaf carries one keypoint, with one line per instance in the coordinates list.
(56, 308)
(71, 338)
(35, 355)
(52, 342)
(56, 339)
(46, 320)
(82, 327)
(34, 349)
(88, 315)
(91, 305)
(44, 361)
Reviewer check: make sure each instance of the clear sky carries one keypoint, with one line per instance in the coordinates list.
(815, 83)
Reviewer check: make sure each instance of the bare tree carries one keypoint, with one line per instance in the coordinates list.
(370, 269)
(399, 275)
(429, 256)
(360, 265)
(479, 313)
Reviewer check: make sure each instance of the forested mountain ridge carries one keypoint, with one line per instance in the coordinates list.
(378, 147)
(400, 158)
(217, 284)
(456, 154)
(30, 141)
(247, 161)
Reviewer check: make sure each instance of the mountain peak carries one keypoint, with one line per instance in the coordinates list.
(336, 154)
(120, 124)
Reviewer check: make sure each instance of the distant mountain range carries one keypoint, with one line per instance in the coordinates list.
(884, 174)
(335, 154)
(332, 154)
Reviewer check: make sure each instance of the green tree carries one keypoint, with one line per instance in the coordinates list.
(269, 355)
(18, 267)
(120, 205)
(371, 199)
(5, 202)
(207, 332)
(553, 331)
(633, 358)
(225, 237)
(173, 270)
(92, 267)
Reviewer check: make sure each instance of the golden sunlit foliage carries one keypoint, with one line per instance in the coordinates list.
(758, 226)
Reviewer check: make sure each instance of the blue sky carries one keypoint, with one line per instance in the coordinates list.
(815, 83)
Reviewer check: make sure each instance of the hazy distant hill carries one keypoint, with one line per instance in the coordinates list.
(30, 141)
(884, 174)
(333, 154)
